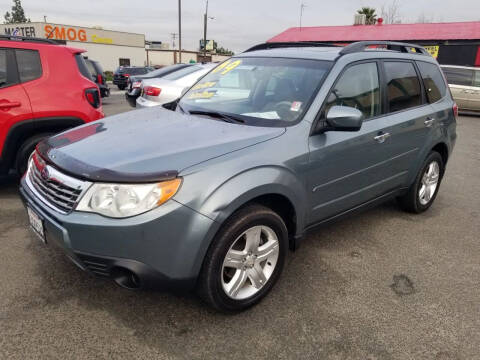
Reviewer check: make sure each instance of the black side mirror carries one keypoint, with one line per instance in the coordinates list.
(344, 118)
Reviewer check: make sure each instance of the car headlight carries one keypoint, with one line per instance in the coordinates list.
(124, 200)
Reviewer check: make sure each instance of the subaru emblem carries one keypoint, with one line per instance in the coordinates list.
(45, 174)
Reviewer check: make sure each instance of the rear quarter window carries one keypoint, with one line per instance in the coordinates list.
(29, 65)
(82, 66)
(433, 81)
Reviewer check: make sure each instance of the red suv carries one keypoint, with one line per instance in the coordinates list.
(45, 88)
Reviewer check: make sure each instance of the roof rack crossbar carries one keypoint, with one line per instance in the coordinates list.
(25, 38)
(277, 45)
(360, 46)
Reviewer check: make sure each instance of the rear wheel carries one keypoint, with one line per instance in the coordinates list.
(422, 193)
(26, 150)
(245, 259)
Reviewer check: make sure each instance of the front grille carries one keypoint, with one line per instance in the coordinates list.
(57, 190)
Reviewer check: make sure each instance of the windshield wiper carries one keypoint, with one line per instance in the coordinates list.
(215, 114)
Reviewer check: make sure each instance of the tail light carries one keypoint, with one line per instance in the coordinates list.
(126, 75)
(455, 110)
(93, 97)
(152, 91)
(136, 84)
(99, 79)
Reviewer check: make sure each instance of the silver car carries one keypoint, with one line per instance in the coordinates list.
(464, 82)
(161, 91)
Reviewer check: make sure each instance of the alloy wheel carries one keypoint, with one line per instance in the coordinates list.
(250, 262)
(429, 183)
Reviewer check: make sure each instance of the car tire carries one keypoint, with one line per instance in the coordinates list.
(121, 87)
(23, 154)
(422, 193)
(219, 284)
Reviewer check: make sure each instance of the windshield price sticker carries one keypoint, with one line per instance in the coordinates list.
(201, 95)
(204, 85)
(226, 67)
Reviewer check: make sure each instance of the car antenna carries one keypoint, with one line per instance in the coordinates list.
(51, 32)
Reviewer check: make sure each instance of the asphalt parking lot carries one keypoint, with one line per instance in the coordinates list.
(381, 285)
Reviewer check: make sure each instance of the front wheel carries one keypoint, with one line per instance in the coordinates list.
(245, 259)
(422, 193)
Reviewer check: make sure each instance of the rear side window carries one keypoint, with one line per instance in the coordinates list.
(82, 66)
(458, 76)
(29, 65)
(477, 79)
(433, 81)
(358, 87)
(3, 67)
(403, 86)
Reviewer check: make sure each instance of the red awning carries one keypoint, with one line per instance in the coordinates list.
(392, 32)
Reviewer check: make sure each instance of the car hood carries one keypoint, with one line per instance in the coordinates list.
(146, 145)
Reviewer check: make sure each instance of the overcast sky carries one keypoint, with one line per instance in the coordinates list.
(238, 24)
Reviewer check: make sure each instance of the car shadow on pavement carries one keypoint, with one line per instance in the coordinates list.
(309, 296)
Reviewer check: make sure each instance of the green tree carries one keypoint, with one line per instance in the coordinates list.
(17, 15)
(370, 14)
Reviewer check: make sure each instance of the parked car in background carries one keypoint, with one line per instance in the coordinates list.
(123, 73)
(464, 82)
(134, 82)
(45, 88)
(211, 194)
(168, 88)
(98, 76)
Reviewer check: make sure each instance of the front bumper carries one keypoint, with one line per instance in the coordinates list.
(164, 247)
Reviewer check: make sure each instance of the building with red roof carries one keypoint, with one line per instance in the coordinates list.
(456, 43)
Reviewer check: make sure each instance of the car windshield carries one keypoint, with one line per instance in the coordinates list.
(181, 73)
(259, 91)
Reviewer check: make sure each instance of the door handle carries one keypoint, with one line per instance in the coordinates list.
(429, 122)
(8, 105)
(382, 137)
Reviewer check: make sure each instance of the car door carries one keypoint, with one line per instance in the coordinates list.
(460, 81)
(344, 168)
(14, 102)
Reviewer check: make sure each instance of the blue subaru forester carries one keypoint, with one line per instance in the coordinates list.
(210, 191)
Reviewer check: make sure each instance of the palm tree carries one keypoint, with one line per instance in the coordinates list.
(370, 14)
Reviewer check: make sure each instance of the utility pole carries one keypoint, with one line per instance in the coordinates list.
(44, 18)
(179, 31)
(302, 7)
(205, 19)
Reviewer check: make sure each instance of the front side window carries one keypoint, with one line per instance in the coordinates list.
(358, 87)
(432, 81)
(403, 86)
(29, 65)
(259, 91)
(458, 76)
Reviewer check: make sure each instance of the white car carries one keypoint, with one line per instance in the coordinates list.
(163, 90)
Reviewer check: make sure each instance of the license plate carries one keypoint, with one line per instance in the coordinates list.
(37, 224)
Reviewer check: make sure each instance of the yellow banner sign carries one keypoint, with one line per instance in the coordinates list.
(433, 50)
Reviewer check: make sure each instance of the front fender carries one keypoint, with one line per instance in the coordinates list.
(231, 194)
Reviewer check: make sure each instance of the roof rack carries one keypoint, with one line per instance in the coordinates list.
(276, 45)
(29, 39)
(360, 46)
